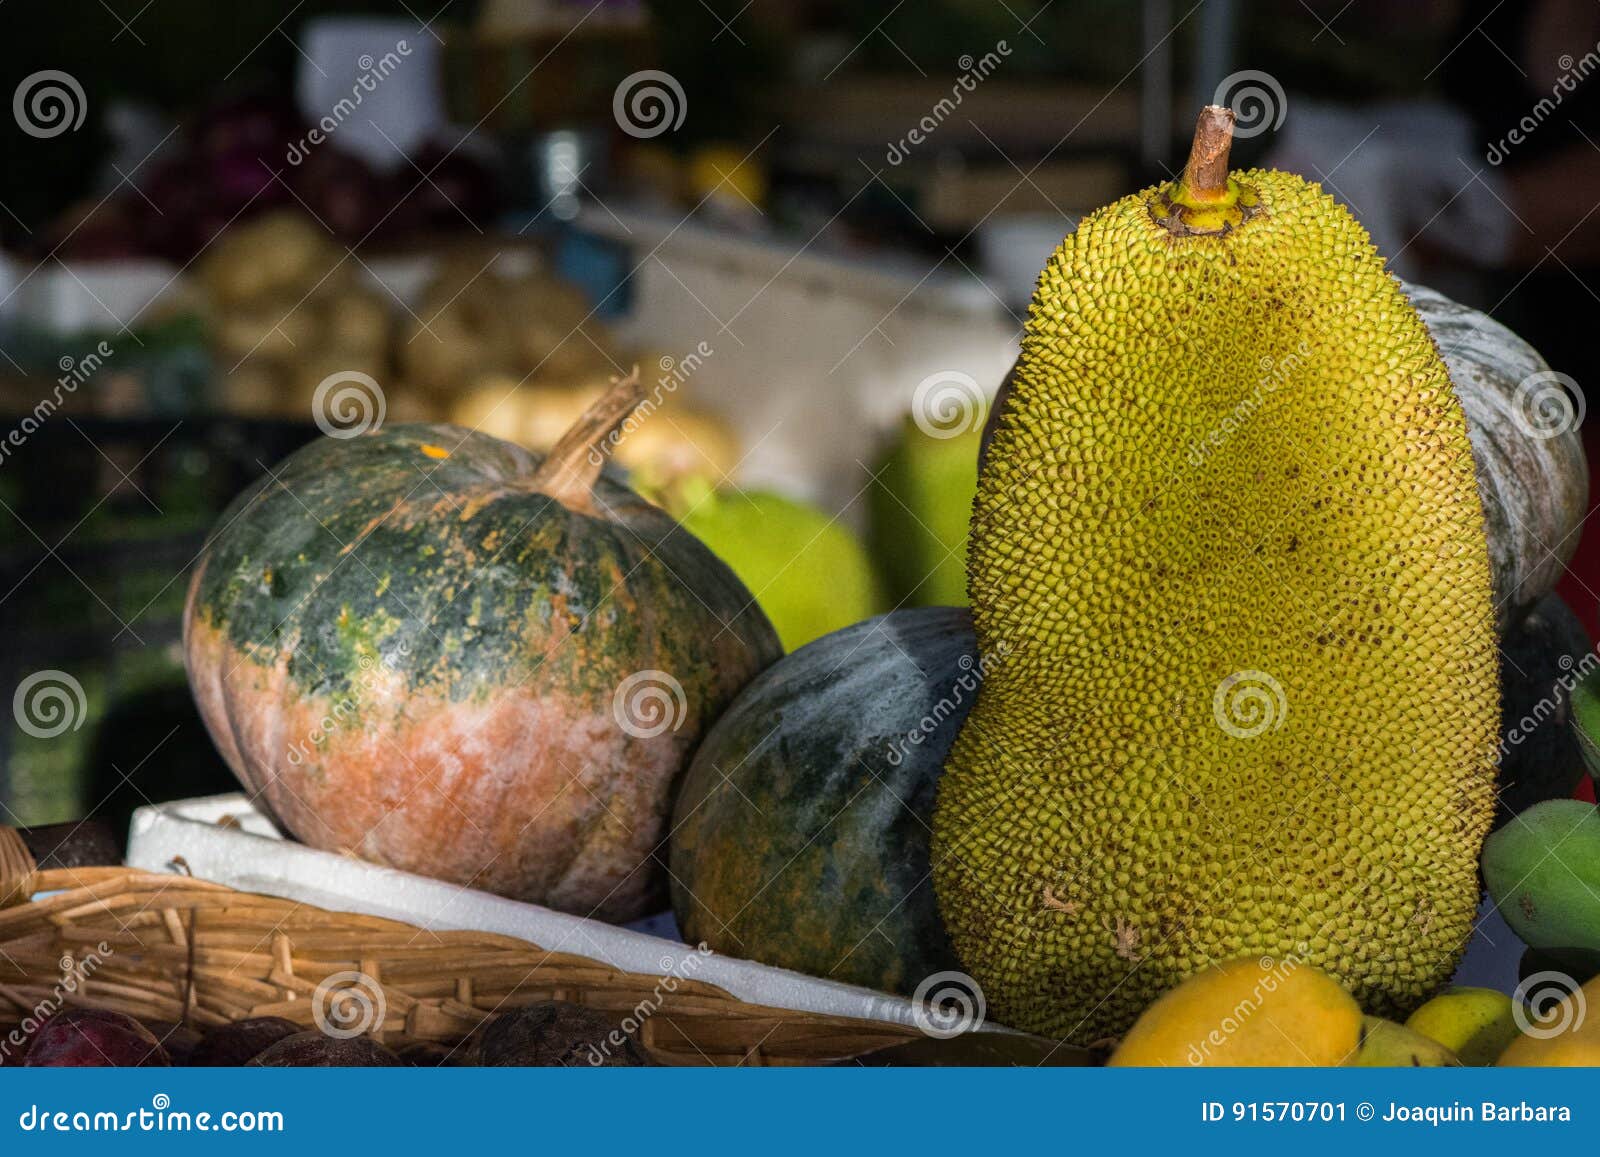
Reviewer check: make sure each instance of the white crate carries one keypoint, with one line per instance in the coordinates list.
(254, 857)
(815, 357)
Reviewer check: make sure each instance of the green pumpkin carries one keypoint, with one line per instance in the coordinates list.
(436, 651)
(801, 834)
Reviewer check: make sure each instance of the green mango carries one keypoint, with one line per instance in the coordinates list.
(1586, 720)
(1387, 1045)
(919, 509)
(807, 570)
(1543, 871)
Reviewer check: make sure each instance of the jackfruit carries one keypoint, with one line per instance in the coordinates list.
(1229, 572)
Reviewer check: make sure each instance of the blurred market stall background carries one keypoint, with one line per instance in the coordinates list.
(814, 225)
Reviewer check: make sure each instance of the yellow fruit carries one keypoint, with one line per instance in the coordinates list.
(1564, 1033)
(1226, 555)
(1386, 1045)
(1251, 1011)
(725, 174)
(1475, 1023)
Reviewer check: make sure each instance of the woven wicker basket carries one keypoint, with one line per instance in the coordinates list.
(169, 947)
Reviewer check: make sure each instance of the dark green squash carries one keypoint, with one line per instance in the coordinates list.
(434, 650)
(801, 835)
(1542, 660)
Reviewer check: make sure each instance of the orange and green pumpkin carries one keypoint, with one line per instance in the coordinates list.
(801, 834)
(440, 652)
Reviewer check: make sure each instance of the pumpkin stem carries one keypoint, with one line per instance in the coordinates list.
(569, 472)
(1205, 177)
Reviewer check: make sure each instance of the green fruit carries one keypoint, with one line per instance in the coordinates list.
(808, 572)
(1229, 558)
(1586, 720)
(920, 504)
(1475, 1023)
(801, 832)
(1385, 1044)
(1543, 870)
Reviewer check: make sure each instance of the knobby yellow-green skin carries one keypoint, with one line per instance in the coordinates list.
(1232, 487)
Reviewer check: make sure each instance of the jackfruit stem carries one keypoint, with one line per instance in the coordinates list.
(569, 472)
(1205, 177)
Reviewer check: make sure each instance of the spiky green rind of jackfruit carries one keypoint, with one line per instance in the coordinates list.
(1229, 573)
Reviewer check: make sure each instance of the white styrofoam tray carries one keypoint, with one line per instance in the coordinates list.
(254, 857)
